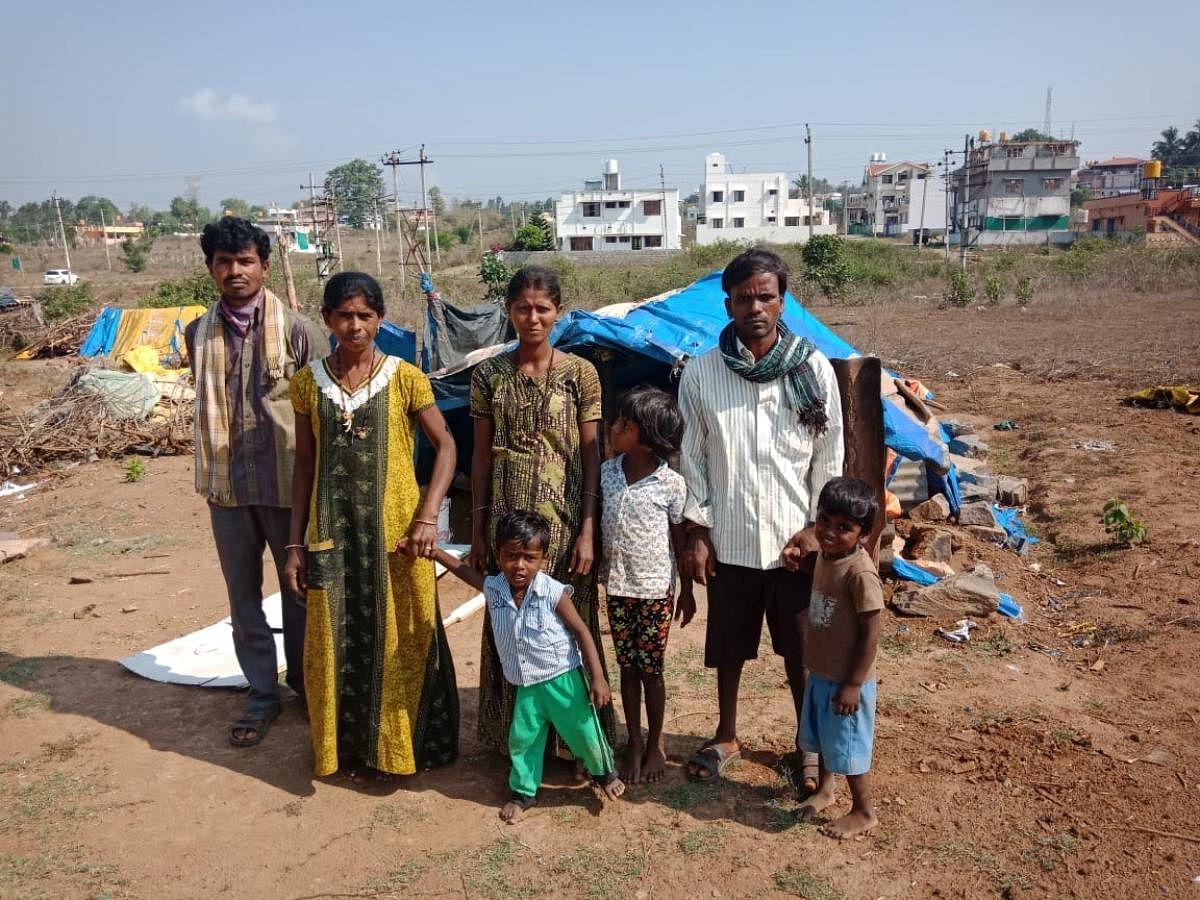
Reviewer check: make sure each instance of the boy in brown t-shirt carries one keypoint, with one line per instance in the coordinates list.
(841, 637)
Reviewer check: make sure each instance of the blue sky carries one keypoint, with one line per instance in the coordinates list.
(525, 99)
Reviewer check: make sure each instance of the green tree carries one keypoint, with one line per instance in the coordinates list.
(824, 263)
(188, 213)
(6, 210)
(531, 237)
(437, 202)
(89, 210)
(1031, 134)
(136, 254)
(235, 206)
(1170, 148)
(356, 184)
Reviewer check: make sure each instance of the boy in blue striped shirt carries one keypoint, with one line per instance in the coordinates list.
(544, 647)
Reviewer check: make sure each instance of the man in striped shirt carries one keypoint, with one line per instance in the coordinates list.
(763, 434)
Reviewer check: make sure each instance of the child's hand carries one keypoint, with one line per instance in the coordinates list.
(600, 695)
(792, 557)
(846, 700)
(685, 607)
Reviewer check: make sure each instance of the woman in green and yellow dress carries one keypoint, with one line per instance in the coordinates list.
(378, 676)
(537, 415)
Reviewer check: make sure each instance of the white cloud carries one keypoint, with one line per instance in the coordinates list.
(261, 120)
(207, 104)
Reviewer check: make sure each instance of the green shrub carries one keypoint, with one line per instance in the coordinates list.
(64, 301)
(1118, 520)
(196, 289)
(136, 254)
(6, 249)
(532, 237)
(1025, 290)
(993, 287)
(959, 290)
(495, 274)
(824, 264)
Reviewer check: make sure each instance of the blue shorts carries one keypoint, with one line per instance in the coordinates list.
(844, 742)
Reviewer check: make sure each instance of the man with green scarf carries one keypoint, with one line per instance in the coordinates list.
(763, 434)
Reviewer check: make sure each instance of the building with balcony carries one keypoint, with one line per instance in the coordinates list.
(1112, 177)
(752, 207)
(898, 198)
(605, 217)
(1011, 192)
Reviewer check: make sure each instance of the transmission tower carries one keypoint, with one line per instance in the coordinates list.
(1046, 121)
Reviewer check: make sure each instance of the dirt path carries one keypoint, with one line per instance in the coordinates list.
(1001, 770)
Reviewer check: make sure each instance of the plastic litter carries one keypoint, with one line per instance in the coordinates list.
(1052, 652)
(960, 634)
(9, 488)
(1006, 425)
(1095, 446)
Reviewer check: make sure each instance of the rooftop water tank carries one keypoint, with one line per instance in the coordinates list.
(984, 135)
(610, 167)
(1152, 169)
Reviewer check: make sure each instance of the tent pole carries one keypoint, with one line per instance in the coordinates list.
(858, 382)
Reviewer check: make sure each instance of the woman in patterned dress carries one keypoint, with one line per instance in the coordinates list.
(537, 415)
(377, 670)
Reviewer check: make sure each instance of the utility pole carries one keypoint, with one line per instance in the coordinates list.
(921, 227)
(662, 184)
(808, 144)
(62, 231)
(946, 190)
(424, 211)
(337, 227)
(288, 281)
(316, 231)
(437, 245)
(378, 237)
(966, 197)
(104, 237)
(393, 160)
(479, 210)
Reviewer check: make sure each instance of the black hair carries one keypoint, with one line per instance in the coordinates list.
(525, 527)
(230, 234)
(344, 285)
(755, 261)
(657, 417)
(537, 278)
(852, 498)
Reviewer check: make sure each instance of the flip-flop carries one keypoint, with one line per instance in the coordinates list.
(712, 759)
(259, 723)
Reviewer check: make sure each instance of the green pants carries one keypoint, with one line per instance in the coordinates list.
(562, 702)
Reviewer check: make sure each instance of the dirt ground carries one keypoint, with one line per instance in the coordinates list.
(1020, 765)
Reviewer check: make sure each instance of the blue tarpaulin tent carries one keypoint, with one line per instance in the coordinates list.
(687, 323)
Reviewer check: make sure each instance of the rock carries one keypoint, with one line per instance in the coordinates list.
(1012, 491)
(957, 429)
(960, 595)
(969, 445)
(978, 513)
(970, 492)
(986, 533)
(132, 607)
(940, 569)
(969, 468)
(935, 509)
(929, 543)
(79, 579)
(84, 612)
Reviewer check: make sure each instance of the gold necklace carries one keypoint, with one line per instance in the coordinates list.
(348, 427)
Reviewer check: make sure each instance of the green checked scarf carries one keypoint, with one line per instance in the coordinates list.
(787, 360)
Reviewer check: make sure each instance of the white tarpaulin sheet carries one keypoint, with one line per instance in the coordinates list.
(205, 658)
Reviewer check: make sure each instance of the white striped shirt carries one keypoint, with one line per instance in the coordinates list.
(753, 472)
(532, 641)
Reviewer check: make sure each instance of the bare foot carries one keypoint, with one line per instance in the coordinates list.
(514, 809)
(654, 766)
(815, 802)
(614, 789)
(630, 766)
(852, 824)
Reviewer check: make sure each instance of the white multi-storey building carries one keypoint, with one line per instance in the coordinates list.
(604, 217)
(753, 206)
(901, 197)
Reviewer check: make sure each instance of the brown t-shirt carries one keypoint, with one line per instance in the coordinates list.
(842, 588)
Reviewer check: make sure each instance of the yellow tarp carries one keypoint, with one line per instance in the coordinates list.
(154, 328)
(1184, 399)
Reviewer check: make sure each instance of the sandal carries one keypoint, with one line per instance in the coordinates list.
(258, 723)
(713, 760)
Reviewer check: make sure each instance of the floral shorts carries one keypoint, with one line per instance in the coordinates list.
(639, 628)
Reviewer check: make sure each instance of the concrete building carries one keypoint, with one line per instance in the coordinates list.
(900, 197)
(1166, 216)
(1112, 177)
(604, 217)
(752, 207)
(1014, 193)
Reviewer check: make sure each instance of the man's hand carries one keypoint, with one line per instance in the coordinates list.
(584, 554)
(846, 700)
(799, 553)
(599, 695)
(699, 560)
(295, 571)
(477, 556)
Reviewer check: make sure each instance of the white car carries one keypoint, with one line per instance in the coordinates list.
(60, 276)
